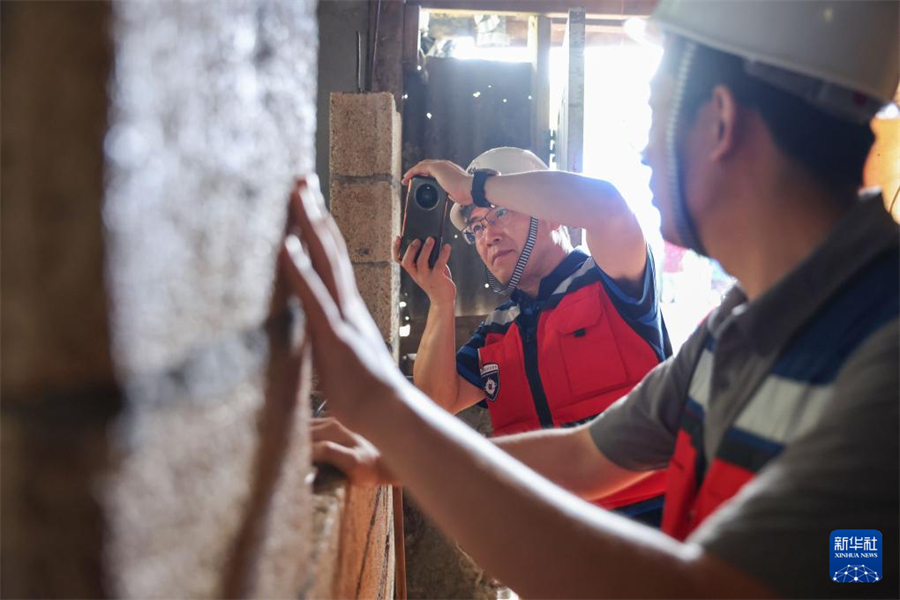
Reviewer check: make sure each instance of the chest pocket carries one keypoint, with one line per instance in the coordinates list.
(589, 350)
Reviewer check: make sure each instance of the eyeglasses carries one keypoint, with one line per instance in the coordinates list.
(474, 231)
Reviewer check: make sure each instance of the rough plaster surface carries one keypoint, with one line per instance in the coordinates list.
(212, 116)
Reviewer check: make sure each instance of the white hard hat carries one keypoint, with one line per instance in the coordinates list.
(853, 45)
(505, 161)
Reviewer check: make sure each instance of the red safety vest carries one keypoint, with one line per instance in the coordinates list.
(686, 504)
(693, 489)
(587, 358)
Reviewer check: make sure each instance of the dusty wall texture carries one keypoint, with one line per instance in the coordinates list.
(153, 442)
(365, 197)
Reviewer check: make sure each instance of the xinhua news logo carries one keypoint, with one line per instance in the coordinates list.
(855, 556)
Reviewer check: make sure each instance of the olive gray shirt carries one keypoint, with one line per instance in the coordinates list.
(811, 366)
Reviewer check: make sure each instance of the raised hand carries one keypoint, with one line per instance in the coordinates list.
(453, 178)
(436, 282)
(356, 371)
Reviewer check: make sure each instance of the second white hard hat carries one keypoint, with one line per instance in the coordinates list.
(506, 161)
(854, 45)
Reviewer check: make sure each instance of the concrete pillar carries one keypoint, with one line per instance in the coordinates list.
(365, 197)
(154, 415)
(364, 200)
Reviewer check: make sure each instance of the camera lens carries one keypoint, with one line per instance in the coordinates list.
(427, 196)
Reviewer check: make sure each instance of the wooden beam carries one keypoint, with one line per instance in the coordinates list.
(593, 8)
(410, 36)
(386, 48)
(539, 47)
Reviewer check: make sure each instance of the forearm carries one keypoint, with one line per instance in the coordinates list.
(560, 197)
(613, 233)
(521, 519)
(434, 371)
(569, 458)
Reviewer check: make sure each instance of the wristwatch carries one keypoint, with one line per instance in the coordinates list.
(480, 177)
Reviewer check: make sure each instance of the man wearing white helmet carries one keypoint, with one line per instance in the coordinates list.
(778, 418)
(578, 331)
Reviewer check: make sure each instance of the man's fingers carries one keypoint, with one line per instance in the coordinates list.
(422, 261)
(332, 429)
(311, 218)
(418, 169)
(321, 311)
(334, 454)
(409, 257)
(443, 257)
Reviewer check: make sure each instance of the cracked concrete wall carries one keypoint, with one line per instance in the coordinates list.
(154, 395)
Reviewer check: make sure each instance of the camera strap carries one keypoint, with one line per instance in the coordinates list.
(520, 264)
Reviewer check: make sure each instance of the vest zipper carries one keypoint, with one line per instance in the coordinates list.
(534, 375)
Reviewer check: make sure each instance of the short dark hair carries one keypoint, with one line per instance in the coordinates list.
(832, 149)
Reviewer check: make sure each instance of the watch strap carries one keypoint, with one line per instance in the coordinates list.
(479, 178)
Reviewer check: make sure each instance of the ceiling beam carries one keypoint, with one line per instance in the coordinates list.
(604, 9)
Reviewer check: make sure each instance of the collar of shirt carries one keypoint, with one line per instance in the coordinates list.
(571, 263)
(771, 320)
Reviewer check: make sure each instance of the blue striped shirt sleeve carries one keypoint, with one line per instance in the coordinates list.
(642, 312)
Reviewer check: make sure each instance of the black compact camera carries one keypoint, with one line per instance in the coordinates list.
(427, 207)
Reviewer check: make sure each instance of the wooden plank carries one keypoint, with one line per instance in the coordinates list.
(411, 36)
(594, 8)
(386, 21)
(570, 135)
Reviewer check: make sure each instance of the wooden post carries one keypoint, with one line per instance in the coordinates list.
(399, 546)
(539, 47)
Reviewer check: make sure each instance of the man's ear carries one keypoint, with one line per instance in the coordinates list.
(725, 120)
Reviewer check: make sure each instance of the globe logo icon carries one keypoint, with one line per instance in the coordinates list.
(855, 574)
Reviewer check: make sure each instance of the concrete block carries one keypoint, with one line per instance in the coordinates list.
(368, 214)
(379, 286)
(365, 135)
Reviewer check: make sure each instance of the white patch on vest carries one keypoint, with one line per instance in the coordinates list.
(783, 409)
(700, 381)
